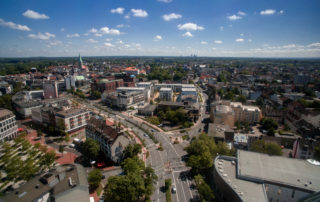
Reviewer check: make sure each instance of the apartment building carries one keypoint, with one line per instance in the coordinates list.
(111, 139)
(8, 125)
(73, 119)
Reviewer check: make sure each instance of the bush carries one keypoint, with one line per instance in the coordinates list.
(94, 179)
(167, 183)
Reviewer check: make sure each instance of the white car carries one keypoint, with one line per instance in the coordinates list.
(173, 189)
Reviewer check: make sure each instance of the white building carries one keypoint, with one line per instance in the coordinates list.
(73, 119)
(8, 125)
(135, 89)
(70, 82)
(166, 94)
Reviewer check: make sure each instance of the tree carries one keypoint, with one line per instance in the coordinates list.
(96, 94)
(206, 193)
(48, 159)
(268, 123)
(266, 147)
(94, 179)
(39, 133)
(202, 152)
(90, 148)
(61, 149)
(61, 125)
(132, 150)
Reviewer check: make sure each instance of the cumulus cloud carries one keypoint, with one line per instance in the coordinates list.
(157, 38)
(187, 34)
(190, 27)
(171, 16)
(55, 43)
(91, 41)
(108, 44)
(106, 30)
(317, 44)
(13, 25)
(221, 28)
(117, 10)
(72, 35)
(45, 36)
(218, 42)
(281, 12)
(240, 40)
(93, 30)
(241, 13)
(234, 17)
(34, 15)
(249, 40)
(62, 30)
(203, 42)
(268, 12)
(139, 13)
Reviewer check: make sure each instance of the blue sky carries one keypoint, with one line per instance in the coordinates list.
(247, 28)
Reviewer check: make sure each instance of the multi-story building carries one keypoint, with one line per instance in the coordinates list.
(252, 176)
(50, 90)
(131, 71)
(165, 94)
(135, 89)
(124, 100)
(111, 139)
(224, 115)
(244, 113)
(70, 82)
(73, 119)
(8, 125)
(105, 85)
(303, 148)
(176, 87)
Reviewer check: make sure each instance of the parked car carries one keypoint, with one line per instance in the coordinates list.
(173, 189)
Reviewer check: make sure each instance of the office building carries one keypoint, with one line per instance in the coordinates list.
(165, 94)
(8, 125)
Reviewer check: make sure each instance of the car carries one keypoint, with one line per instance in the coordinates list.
(72, 145)
(152, 130)
(145, 135)
(173, 189)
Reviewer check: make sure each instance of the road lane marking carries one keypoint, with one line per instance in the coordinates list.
(176, 186)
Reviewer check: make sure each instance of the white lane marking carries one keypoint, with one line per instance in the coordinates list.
(176, 186)
(185, 199)
(189, 188)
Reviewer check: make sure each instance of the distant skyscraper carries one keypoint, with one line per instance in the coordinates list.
(80, 63)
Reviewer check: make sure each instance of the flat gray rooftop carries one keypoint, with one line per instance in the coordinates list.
(275, 169)
(248, 191)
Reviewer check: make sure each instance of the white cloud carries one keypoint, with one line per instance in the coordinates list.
(127, 16)
(91, 41)
(98, 34)
(268, 12)
(234, 17)
(72, 35)
(203, 42)
(119, 42)
(214, 49)
(106, 30)
(249, 40)
(218, 42)
(317, 44)
(108, 44)
(171, 16)
(157, 38)
(165, 1)
(241, 13)
(190, 26)
(117, 10)
(127, 46)
(281, 12)
(108, 39)
(139, 13)
(35, 15)
(55, 43)
(45, 36)
(13, 25)
(62, 30)
(240, 40)
(187, 34)
(93, 30)
(241, 34)
(221, 28)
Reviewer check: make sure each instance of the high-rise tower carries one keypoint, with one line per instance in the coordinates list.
(80, 63)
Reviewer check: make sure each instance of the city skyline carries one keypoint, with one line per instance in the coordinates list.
(160, 28)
